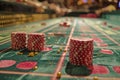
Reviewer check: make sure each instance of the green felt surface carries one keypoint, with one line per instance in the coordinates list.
(47, 61)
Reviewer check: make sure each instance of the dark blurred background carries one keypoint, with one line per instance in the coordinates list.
(60, 7)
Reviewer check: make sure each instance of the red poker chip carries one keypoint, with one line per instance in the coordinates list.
(18, 40)
(36, 41)
(79, 49)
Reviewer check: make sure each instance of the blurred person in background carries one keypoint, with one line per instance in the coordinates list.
(40, 6)
(100, 7)
(109, 8)
(43, 5)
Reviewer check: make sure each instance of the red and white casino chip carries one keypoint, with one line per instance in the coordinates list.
(36, 41)
(81, 51)
(18, 40)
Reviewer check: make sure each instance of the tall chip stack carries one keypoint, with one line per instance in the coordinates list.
(36, 41)
(18, 40)
(81, 52)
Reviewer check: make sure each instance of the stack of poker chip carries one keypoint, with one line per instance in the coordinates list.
(18, 40)
(35, 41)
(81, 52)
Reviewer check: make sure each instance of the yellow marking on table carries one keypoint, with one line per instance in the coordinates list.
(97, 27)
(109, 32)
(106, 31)
(1, 37)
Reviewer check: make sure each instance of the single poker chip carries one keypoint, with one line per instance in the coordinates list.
(6, 63)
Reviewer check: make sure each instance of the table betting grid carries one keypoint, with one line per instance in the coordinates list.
(105, 55)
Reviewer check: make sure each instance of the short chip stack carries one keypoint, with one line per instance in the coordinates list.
(18, 40)
(81, 52)
(36, 41)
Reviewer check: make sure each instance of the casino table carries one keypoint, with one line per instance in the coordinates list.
(106, 53)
